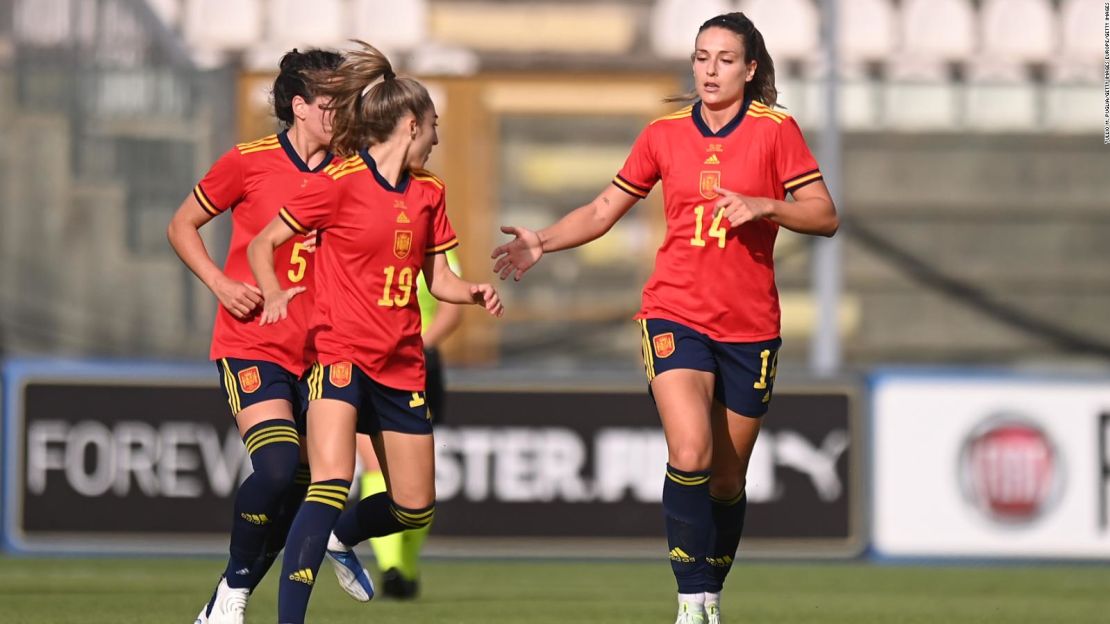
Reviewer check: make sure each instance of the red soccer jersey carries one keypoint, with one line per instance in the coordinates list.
(373, 241)
(253, 180)
(720, 282)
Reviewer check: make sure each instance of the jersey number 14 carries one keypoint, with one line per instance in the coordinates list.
(715, 229)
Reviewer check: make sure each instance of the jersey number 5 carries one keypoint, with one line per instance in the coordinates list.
(299, 262)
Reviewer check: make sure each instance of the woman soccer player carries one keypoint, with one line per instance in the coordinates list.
(398, 555)
(259, 367)
(710, 313)
(382, 220)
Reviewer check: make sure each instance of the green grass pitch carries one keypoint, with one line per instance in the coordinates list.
(119, 591)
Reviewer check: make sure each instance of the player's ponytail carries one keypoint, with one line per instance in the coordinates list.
(300, 73)
(762, 86)
(368, 100)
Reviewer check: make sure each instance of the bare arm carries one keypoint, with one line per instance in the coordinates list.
(183, 232)
(811, 212)
(450, 288)
(260, 255)
(578, 227)
(587, 223)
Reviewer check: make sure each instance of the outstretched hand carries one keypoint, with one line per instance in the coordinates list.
(276, 307)
(517, 255)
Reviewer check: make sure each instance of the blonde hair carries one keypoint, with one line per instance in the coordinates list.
(368, 99)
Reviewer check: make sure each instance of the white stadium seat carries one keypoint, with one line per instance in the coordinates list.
(1014, 33)
(1080, 57)
(215, 26)
(867, 30)
(866, 34)
(296, 23)
(1019, 31)
(675, 23)
(1000, 95)
(390, 24)
(933, 33)
(790, 28)
(1082, 29)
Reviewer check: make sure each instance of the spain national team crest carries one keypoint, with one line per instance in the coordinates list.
(250, 380)
(402, 243)
(664, 345)
(339, 374)
(709, 181)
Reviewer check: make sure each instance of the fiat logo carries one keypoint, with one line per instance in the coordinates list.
(1010, 470)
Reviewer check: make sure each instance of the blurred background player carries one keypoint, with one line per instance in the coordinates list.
(260, 366)
(710, 314)
(398, 554)
(382, 220)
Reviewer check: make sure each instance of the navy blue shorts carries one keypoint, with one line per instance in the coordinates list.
(744, 371)
(247, 382)
(379, 407)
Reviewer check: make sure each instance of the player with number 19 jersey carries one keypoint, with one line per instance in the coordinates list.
(374, 238)
(253, 180)
(716, 281)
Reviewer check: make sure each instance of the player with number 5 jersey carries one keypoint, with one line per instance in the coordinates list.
(260, 367)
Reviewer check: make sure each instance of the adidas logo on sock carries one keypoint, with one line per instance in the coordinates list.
(679, 555)
(304, 575)
(243, 571)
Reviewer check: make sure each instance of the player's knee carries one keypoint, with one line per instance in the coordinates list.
(274, 449)
(413, 518)
(690, 459)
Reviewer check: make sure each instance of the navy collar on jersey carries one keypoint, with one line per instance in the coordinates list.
(727, 129)
(283, 138)
(402, 184)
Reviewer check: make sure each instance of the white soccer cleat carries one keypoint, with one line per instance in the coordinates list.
(712, 613)
(690, 613)
(353, 578)
(228, 605)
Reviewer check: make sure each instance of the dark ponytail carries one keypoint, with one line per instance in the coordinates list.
(301, 73)
(762, 86)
